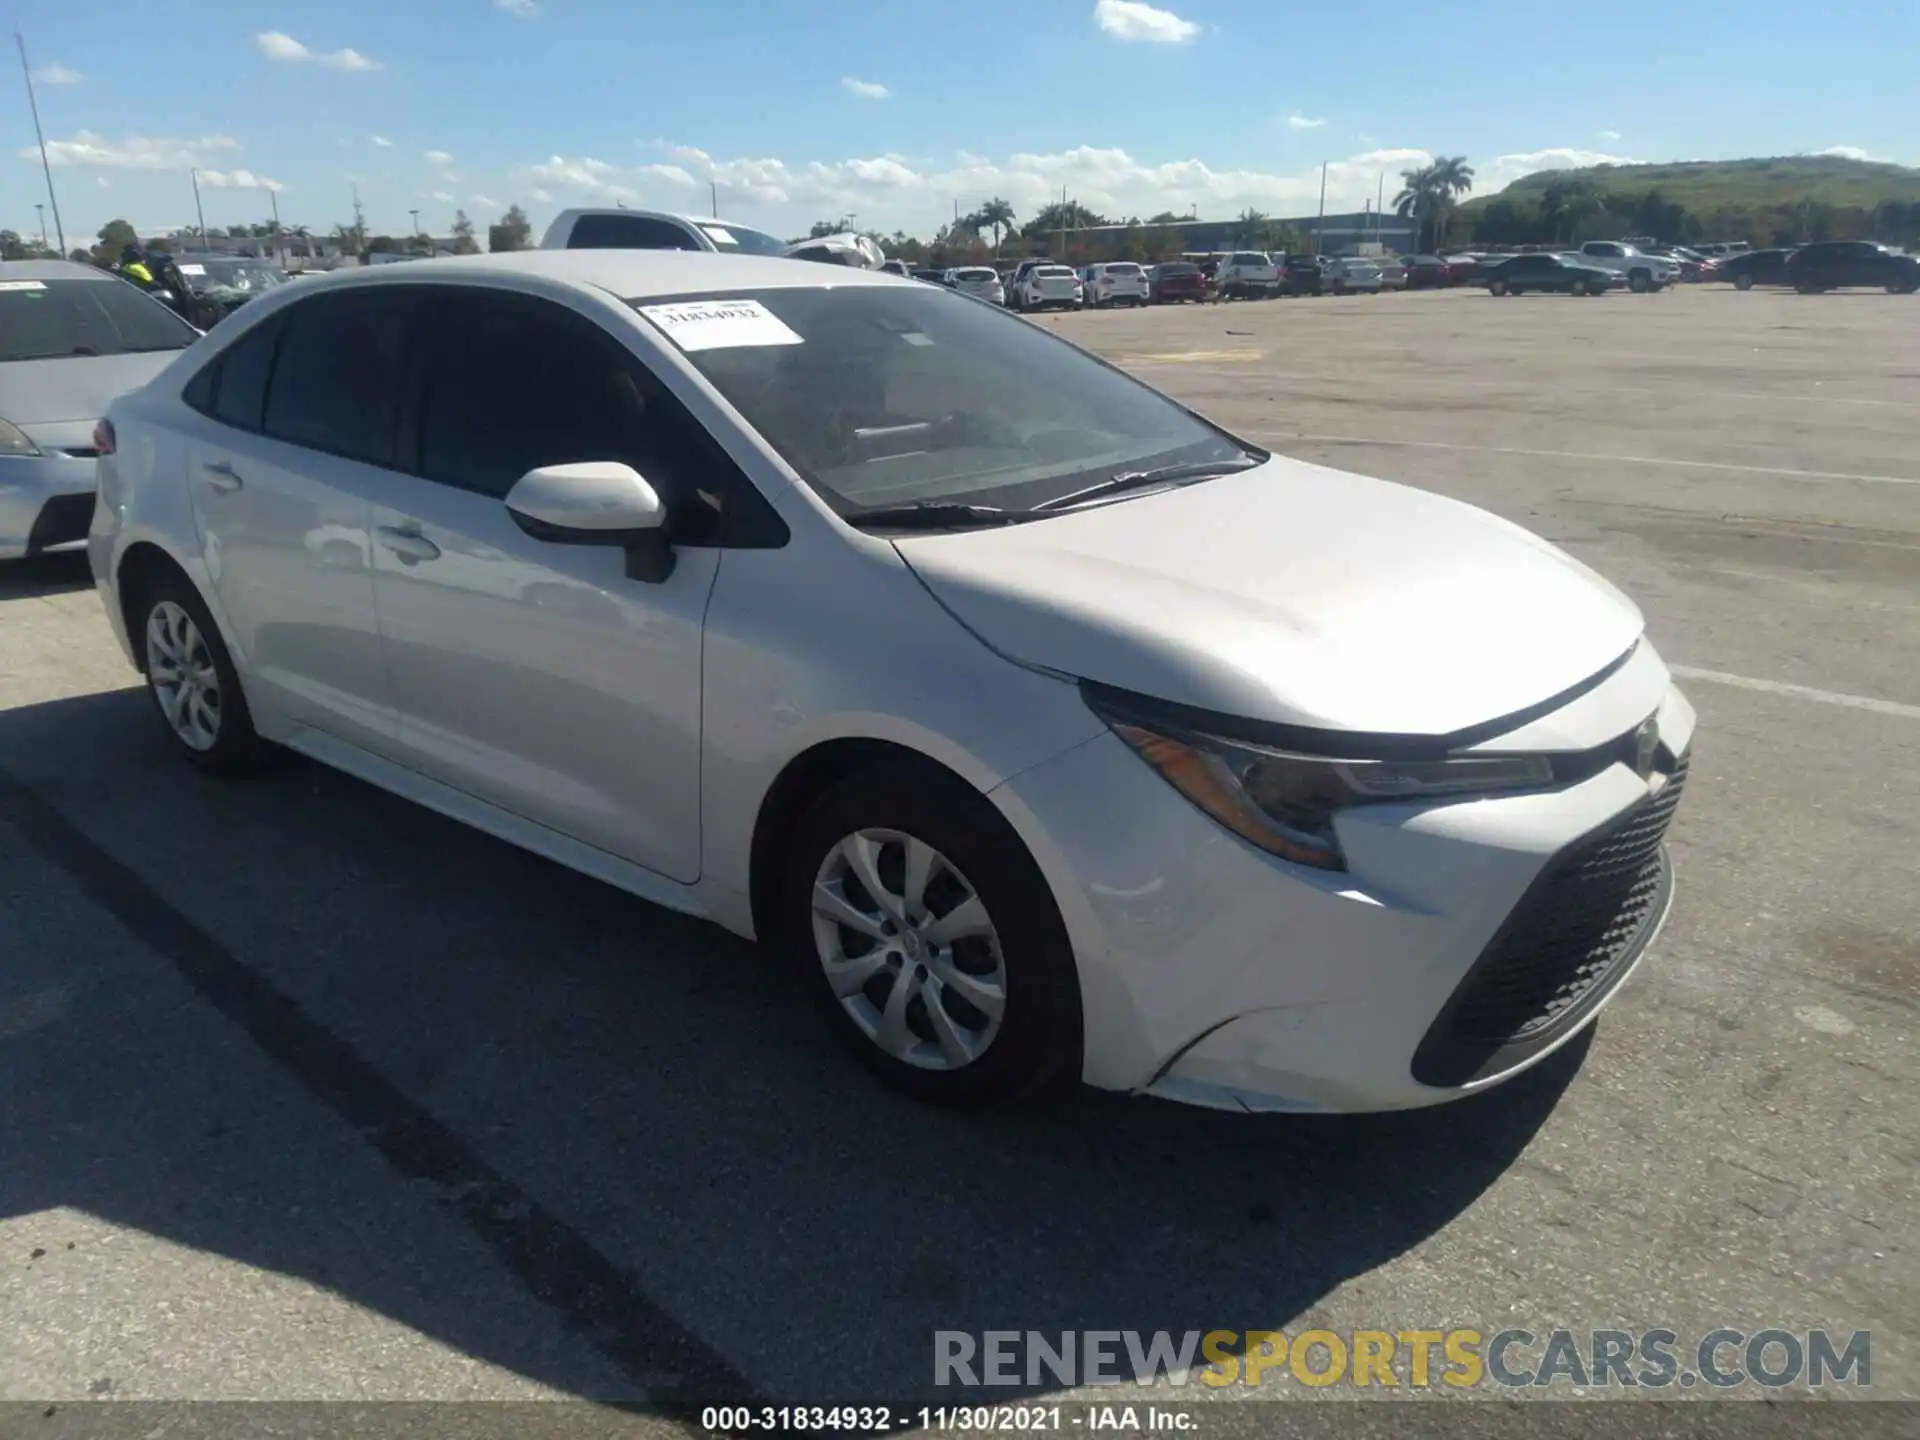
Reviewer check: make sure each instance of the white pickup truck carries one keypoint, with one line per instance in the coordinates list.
(1644, 272)
(1247, 274)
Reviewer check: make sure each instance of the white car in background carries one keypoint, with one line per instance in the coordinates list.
(1047, 730)
(1114, 282)
(982, 282)
(1640, 271)
(71, 339)
(602, 228)
(1044, 285)
(1247, 275)
(1355, 277)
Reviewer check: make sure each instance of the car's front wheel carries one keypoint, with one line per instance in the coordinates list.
(1743, 282)
(930, 940)
(192, 680)
(1497, 287)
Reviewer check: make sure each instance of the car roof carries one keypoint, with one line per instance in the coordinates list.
(657, 215)
(629, 274)
(52, 270)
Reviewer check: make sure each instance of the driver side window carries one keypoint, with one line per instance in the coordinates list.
(511, 382)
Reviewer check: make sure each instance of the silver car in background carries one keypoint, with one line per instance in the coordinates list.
(982, 282)
(1354, 277)
(71, 339)
(1393, 275)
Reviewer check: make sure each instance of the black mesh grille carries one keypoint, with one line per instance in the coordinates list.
(1580, 926)
(61, 519)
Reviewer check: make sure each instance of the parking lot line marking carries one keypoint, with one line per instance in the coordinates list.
(595, 1298)
(1277, 436)
(1799, 692)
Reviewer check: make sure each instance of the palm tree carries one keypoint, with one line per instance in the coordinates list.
(996, 214)
(1418, 198)
(1452, 178)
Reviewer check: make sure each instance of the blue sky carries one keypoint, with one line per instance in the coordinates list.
(806, 109)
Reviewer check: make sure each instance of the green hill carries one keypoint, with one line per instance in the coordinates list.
(1793, 197)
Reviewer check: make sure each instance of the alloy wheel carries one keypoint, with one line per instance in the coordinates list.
(909, 949)
(181, 670)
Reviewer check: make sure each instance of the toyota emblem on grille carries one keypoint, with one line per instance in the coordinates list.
(1646, 743)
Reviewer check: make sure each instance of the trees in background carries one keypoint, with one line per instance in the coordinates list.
(511, 233)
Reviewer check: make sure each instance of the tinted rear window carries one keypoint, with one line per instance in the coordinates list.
(1180, 268)
(628, 232)
(975, 276)
(52, 319)
(337, 378)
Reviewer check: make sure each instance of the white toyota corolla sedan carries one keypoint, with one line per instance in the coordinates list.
(1048, 728)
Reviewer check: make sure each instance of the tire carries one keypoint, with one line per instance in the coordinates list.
(204, 709)
(943, 1044)
(1640, 282)
(1497, 287)
(1743, 282)
(1516, 290)
(1805, 287)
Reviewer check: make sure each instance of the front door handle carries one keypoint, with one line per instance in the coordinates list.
(222, 476)
(408, 543)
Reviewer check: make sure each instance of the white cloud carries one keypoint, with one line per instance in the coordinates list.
(519, 9)
(865, 89)
(1502, 170)
(1845, 152)
(237, 180)
(1301, 122)
(135, 152)
(276, 45)
(672, 174)
(103, 182)
(539, 196)
(1131, 20)
(437, 157)
(440, 195)
(57, 75)
(1611, 135)
(483, 202)
(380, 142)
(593, 178)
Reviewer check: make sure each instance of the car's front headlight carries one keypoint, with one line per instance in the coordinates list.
(14, 441)
(1285, 802)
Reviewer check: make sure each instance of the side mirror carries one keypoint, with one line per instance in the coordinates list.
(596, 502)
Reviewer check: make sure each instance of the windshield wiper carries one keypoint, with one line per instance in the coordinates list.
(1139, 479)
(934, 515)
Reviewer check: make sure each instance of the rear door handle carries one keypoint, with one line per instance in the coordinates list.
(222, 476)
(408, 543)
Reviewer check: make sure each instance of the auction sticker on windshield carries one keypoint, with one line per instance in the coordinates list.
(720, 324)
(7, 285)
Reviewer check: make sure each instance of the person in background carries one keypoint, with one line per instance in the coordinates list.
(133, 266)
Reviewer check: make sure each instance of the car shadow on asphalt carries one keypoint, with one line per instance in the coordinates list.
(631, 1111)
(60, 572)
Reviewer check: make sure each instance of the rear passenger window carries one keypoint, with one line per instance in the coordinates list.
(628, 232)
(240, 386)
(337, 379)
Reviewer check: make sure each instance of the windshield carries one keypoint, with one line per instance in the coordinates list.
(1125, 268)
(739, 240)
(975, 277)
(1179, 267)
(247, 276)
(882, 396)
(49, 319)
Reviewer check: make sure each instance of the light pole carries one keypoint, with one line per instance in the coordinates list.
(39, 135)
(202, 214)
(41, 211)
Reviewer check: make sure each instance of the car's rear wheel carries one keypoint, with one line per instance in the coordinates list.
(192, 680)
(1743, 282)
(1497, 287)
(930, 939)
(1640, 282)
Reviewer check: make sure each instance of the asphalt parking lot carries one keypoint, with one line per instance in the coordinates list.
(312, 1094)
